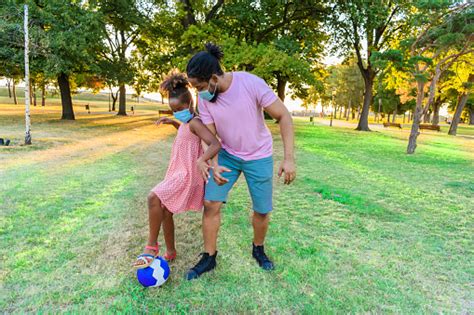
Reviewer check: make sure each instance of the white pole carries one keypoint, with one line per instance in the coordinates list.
(27, 81)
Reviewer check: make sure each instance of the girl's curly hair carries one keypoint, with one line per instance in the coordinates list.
(176, 85)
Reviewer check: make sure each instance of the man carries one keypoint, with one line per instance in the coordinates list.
(231, 105)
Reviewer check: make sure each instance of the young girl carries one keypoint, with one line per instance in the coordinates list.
(183, 187)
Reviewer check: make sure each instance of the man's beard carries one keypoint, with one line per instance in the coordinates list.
(216, 93)
(214, 99)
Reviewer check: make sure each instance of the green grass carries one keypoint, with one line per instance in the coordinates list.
(365, 228)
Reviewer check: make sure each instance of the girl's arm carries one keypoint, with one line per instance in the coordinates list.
(213, 145)
(168, 121)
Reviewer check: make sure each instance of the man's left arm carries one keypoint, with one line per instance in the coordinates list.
(279, 112)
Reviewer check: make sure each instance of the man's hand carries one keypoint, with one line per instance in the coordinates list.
(218, 178)
(204, 167)
(164, 121)
(288, 167)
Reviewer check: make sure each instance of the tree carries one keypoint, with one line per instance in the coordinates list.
(280, 42)
(11, 45)
(470, 109)
(123, 22)
(344, 86)
(462, 100)
(164, 44)
(364, 28)
(444, 37)
(65, 39)
(441, 34)
(389, 101)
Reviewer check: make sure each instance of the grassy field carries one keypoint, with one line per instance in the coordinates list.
(365, 228)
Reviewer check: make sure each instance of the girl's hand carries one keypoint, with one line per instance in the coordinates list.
(164, 121)
(204, 167)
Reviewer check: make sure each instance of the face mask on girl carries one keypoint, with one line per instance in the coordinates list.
(184, 115)
(208, 96)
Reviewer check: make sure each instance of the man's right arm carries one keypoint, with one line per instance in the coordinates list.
(218, 170)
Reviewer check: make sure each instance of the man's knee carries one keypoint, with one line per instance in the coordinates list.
(261, 216)
(212, 207)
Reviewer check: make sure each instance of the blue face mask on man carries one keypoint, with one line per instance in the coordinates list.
(208, 96)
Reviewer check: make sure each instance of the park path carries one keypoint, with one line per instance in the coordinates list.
(58, 143)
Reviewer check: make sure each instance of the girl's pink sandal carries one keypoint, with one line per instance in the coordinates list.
(147, 258)
(169, 257)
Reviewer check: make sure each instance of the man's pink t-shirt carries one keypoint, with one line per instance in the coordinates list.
(238, 116)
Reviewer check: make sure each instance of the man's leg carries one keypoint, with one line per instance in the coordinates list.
(214, 197)
(260, 227)
(211, 221)
(259, 177)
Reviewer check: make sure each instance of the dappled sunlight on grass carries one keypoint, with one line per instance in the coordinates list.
(90, 145)
(365, 228)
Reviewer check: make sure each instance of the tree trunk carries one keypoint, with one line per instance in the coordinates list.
(403, 117)
(363, 124)
(353, 113)
(427, 117)
(462, 100)
(34, 92)
(281, 86)
(416, 118)
(43, 94)
(471, 116)
(189, 19)
(388, 118)
(31, 91)
(436, 106)
(9, 88)
(122, 101)
(15, 100)
(114, 99)
(378, 112)
(122, 91)
(66, 100)
(394, 119)
(453, 128)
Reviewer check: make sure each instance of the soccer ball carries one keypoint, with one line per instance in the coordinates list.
(154, 275)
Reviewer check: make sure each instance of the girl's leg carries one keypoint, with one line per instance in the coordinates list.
(155, 218)
(168, 232)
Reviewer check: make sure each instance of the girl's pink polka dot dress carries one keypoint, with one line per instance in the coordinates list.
(183, 186)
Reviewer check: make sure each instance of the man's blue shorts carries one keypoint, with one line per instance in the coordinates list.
(259, 177)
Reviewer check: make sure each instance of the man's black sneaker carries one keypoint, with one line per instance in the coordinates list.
(263, 261)
(205, 264)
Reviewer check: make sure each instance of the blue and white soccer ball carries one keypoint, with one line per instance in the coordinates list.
(154, 275)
